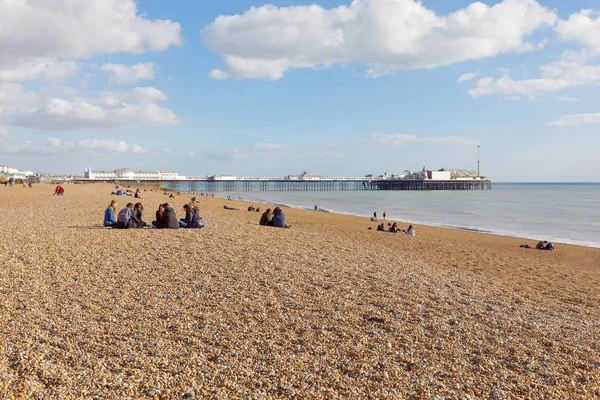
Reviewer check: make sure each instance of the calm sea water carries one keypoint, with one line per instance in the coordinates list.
(559, 212)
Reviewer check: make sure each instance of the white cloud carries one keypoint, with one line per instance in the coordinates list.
(467, 77)
(49, 146)
(60, 114)
(110, 146)
(3, 132)
(571, 70)
(148, 95)
(37, 32)
(568, 99)
(581, 27)
(267, 41)
(575, 120)
(218, 75)
(46, 70)
(123, 74)
(402, 140)
(267, 146)
(54, 145)
(15, 99)
(28, 109)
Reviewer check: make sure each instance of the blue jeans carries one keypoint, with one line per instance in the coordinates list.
(184, 224)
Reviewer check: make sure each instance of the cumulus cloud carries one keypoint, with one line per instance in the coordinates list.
(48, 146)
(267, 146)
(111, 109)
(467, 77)
(75, 29)
(267, 41)
(571, 70)
(218, 75)
(45, 70)
(124, 74)
(581, 27)
(403, 140)
(575, 120)
(54, 145)
(110, 146)
(61, 114)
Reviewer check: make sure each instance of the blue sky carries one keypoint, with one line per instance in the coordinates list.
(340, 88)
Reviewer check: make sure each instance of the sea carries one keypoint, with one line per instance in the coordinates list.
(558, 212)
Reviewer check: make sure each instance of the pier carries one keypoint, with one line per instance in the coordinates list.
(286, 185)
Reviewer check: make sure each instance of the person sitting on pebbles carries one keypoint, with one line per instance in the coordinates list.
(278, 219)
(136, 216)
(265, 218)
(124, 217)
(168, 219)
(110, 218)
(411, 231)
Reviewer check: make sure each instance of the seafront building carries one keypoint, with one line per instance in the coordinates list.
(126, 174)
(14, 173)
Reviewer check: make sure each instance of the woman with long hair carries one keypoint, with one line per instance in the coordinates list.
(136, 215)
(110, 218)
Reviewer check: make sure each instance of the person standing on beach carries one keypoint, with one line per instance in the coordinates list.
(375, 215)
(384, 215)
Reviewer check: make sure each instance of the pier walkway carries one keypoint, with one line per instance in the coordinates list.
(285, 185)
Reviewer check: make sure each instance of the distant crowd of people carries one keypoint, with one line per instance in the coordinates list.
(393, 228)
(542, 245)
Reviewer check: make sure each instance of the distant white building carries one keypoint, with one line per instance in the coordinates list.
(125, 174)
(438, 175)
(222, 178)
(9, 171)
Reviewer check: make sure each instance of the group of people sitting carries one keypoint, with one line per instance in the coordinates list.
(59, 191)
(252, 209)
(276, 218)
(130, 217)
(393, 228)
(542, 245)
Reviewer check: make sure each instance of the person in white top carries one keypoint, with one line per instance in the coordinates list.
(411, 231)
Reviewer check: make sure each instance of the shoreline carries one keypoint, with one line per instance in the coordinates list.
(523, 236)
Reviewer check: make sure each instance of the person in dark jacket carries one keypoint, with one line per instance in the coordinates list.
(197, 221)
(265, 218)
(168, 219)
(136, 216)
(187, 221)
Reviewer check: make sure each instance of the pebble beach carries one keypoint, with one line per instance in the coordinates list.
(327, 309)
